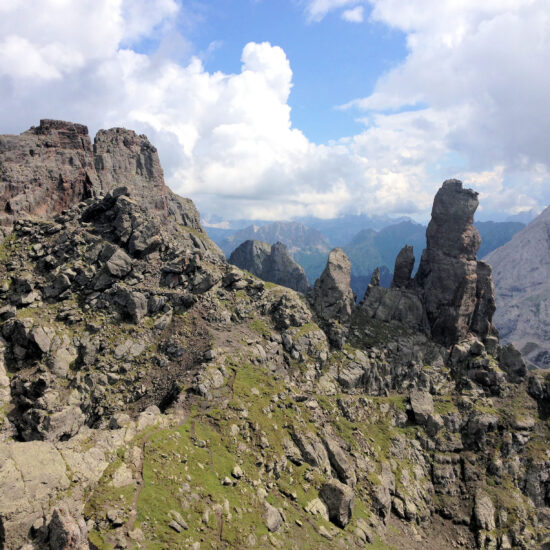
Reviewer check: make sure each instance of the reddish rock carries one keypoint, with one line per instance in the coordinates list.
(45, 170)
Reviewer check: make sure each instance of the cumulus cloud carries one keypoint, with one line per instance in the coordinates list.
(227, 140)
(488, 65)
(354, 15)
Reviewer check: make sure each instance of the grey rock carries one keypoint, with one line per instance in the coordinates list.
(521, 272)
(311, 449)
(67, 533)
(339, 501)
(332, 297)
(272, 517)
(512, 362)
(404, 265)
(119, 264)
(448, 273)
(340, 461)
(422, 405)
(484, 511)
(271, 263)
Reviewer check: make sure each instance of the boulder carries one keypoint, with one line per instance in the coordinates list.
(339, 501)
(272, 517)
(422, 405)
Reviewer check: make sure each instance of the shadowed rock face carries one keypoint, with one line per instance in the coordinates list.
(404, 265)
(448, 274)
(271, 263)
(45, 170)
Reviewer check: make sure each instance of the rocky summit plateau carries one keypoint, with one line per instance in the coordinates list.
(153, 395)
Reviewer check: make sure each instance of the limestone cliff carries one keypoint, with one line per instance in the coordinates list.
(521, 271)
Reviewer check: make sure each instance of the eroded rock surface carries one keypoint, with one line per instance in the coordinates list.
(45, 170)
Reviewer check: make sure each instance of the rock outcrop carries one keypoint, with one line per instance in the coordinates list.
(332, 297)
(270, 263)
(448, 273)
(452, 294)
(52, 167)
(45, 170)
(521, 271)
(122, 157)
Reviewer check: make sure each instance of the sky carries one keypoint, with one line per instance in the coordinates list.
(271, 109)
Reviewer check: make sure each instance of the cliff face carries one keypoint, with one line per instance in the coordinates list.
(45, 170)
(53, 166)
(153, 395)
(448, 273)
(521, 271)
(271, 263)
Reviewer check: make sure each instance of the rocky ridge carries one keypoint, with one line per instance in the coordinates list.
(151, 394)
(271, 263)
(54, 166)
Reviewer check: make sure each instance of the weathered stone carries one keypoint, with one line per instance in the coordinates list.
(484, 511)
(66, 533)
(332, 297)
(339, 500)
(45, 170)
(422, 404)
(340, 461)
(119, 264)
(311, 449)
(512, 362)
(404, 265)
(272, 517)
(448, 273)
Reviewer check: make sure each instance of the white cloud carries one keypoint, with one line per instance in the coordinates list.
(227, 140)
(318, 9)
(354, 15)
(489, 65)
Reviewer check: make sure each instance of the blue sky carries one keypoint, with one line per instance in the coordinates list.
(333, 61)
(272, 109)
